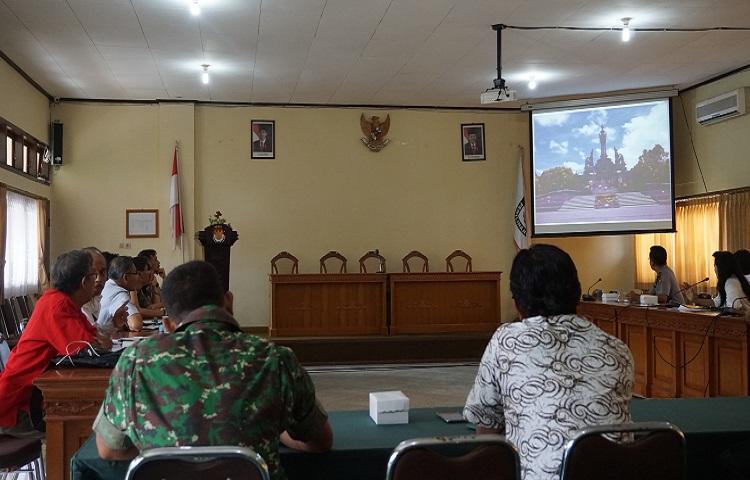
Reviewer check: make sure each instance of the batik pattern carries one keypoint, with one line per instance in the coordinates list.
(542, 379)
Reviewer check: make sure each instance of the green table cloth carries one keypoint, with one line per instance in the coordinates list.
(361, 448)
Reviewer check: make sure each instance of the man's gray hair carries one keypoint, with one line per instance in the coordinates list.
(119, 266)
(70, 269)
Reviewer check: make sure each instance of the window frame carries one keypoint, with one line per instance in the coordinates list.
(21, 141)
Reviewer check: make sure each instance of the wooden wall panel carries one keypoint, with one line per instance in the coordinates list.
(328, 304)
(443, 302)
(703, 355)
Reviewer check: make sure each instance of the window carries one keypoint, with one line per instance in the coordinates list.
(21, 245)
(23, 153)
(9, 151)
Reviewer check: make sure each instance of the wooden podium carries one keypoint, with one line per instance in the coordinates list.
(217, 241)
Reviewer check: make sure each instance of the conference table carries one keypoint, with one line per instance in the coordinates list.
(678, 353)
(325, 304)
(361, 449)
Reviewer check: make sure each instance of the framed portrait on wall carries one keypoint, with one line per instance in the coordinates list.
(472, 142)
(263, 139)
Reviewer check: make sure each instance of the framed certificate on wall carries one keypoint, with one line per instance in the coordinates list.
(142, 223)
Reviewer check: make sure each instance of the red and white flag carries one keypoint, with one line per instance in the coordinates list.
(174, 203)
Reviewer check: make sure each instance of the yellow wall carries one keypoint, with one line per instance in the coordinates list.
(323, 191)
(326, 191)
(119, 157)
(722, 148)
(28, 109)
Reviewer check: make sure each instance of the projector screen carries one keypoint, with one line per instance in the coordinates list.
(602, 170)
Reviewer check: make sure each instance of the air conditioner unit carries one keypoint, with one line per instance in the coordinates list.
(725, 106)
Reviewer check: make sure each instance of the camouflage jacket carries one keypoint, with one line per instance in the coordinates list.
(208, 383)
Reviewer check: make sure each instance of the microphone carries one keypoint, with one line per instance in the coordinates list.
(687, 288)
(587, 297)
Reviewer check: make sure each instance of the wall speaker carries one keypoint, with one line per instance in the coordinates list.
(56, 143)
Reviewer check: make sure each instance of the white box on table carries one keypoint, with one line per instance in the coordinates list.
(389, 408)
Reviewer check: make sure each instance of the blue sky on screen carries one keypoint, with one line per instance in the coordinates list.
(566, 137)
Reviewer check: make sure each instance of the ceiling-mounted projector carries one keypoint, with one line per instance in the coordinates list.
(494, 95)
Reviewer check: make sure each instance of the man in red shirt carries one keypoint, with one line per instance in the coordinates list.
(56, 327)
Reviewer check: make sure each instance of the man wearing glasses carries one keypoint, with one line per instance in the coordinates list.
(123, 279)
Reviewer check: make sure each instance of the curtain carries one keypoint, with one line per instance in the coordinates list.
(3, 216)
(734, 220)
(690, 249)
(42, 253)
(21, 276)
(696, 240)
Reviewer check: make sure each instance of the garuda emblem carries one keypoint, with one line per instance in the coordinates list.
(375, 132)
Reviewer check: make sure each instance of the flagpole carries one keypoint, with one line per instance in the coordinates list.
(179, 195)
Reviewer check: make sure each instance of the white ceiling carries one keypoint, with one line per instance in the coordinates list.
(393, 52)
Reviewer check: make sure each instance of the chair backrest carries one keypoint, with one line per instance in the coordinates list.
(415, 254)
(284, 256)
(450, 267)
(23, 308)
(468, 457)
(198, 463)
(375, 256)
(5, 325)
(11, 322)
(657, 452)
(21, 319)
(332, 255)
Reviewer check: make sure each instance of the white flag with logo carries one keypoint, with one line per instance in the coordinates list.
(520, 225)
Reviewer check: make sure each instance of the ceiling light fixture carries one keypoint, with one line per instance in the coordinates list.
(626, 28)
(204, 76)
(195, 8)
(532, 82)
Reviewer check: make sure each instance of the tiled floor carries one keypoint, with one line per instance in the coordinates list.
(348, 388)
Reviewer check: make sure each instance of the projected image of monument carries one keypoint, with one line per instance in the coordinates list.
(602, 169)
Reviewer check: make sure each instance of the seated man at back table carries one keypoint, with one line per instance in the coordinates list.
(123, 279)
(56, 327)
(551, 374)
(208, 383)
(665, 286)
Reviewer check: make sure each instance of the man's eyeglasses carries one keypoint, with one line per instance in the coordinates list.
(130, 273)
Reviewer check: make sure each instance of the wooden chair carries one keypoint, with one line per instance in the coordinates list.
(658, 452)
(284, 256)
(486, 457)
(372, 255)
(415, 254)
(198, 463)
(332, 255)
(457, 254)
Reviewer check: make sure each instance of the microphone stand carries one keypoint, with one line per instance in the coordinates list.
(684, 289)
(587, 297)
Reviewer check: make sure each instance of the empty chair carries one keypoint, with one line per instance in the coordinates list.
(419, 256)
(471, 457)
(18, 313)
(11, 322)
(373, 256)
(658, 452)
(198, 463)
(19, 454)
(452, 261)
(287, 258)
(332, 255)
(22, 307)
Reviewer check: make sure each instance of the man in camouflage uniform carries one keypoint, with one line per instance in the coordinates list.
(208, 383)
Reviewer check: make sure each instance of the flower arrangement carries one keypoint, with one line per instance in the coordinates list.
(217, 219)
